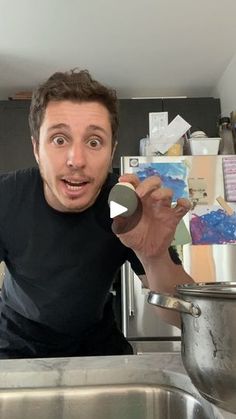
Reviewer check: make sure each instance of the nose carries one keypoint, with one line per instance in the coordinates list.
(76, 157)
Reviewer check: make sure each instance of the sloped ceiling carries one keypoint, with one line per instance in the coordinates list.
(140, 47)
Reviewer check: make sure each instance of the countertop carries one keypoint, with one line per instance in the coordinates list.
(53, 372)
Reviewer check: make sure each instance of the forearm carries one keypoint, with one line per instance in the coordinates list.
(162, 276)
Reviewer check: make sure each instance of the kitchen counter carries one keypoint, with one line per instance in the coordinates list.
(166, 368)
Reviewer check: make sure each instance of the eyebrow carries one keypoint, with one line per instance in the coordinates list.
(91, 127)
(58, 126)
(96, 128)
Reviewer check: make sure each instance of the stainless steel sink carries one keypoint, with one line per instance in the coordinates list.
(102, 402)
(153, 386)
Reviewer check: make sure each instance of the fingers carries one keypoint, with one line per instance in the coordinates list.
(163, 195)
(182, 207)
(131, 178)
(152, 187)
(148, 186)
(145, 187)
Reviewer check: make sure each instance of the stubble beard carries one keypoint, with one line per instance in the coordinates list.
(50, 195)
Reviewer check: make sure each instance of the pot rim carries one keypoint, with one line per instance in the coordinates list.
(209, 289)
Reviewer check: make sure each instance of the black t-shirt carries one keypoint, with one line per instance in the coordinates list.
(61, 265)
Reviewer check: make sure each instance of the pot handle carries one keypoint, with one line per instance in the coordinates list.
(173, 303)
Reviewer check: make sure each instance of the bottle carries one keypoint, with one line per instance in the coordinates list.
(225, 132)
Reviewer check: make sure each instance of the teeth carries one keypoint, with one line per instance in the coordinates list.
(75, 182)
(73, 187)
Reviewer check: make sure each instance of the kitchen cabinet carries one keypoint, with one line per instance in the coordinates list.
(15, 143)
(201, 113)
(134, 125)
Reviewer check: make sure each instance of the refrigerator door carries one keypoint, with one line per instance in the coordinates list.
(205, 180)
(140, 323)
(139, 319)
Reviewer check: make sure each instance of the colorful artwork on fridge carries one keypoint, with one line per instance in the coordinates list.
(173, 176)
(212, 225)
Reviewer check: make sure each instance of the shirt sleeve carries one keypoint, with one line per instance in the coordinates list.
(174, 255)
(137, 265)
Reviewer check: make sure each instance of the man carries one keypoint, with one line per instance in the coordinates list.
(56, 235)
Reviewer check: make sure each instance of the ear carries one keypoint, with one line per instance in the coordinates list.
(35, 149)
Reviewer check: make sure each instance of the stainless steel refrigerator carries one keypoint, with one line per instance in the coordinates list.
(209, 254)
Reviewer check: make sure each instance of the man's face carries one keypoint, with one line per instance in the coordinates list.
(74, 153)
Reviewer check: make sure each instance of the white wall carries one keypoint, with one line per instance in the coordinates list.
(226, 88)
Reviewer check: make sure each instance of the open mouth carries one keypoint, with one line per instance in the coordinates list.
(74, 185)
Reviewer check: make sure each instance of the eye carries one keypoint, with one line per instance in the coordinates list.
(94, 143)
(59, 140)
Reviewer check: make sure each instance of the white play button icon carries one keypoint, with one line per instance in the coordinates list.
(124, 202)
(116, 209)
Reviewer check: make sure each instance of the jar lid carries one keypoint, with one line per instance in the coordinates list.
(198, 134)
(224, 120)
(209, 289)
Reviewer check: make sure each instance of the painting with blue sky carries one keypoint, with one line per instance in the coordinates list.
(174, 175)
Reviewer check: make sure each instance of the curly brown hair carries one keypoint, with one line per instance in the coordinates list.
(76, 86)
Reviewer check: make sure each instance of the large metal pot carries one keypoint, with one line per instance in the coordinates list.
(208, 317)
